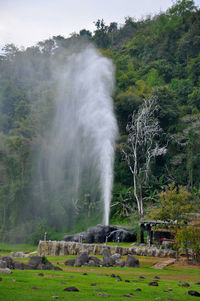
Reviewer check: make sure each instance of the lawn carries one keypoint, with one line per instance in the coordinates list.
(98, 283)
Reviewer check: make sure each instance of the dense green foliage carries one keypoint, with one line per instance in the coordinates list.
(156, 56)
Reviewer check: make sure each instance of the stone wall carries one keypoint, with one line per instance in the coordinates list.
(53, 248)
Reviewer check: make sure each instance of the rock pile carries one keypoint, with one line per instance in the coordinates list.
(35, 263)
(108, 260)
(100, 233)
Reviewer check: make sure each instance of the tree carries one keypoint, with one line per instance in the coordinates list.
(188, 140)
(142, 146)
(85, 33)
(189, 238)
(101, 34)
(182, 7)
(175, 208)
(111, 29)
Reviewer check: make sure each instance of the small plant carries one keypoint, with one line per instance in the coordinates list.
(44, 259)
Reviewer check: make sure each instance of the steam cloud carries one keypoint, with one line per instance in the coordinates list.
(79, 154)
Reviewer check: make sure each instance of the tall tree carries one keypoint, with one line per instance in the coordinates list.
(142, 146)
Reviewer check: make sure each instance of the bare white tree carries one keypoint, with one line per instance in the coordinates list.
(142, 146)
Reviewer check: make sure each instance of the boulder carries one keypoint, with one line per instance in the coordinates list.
(131, 261)
(19, 255)
(107, 259)
(82, 259)
(39, 263)
(8, 260)
(116, 256)
(18, 265)
(3, 264)
(5, 271)
(97, 261)
(70, 262)
(71, 289)
(99, 233)
(194, 293)
(45, 266)
(120, 263)
(154, 283)
(91, 263)
(35, 261)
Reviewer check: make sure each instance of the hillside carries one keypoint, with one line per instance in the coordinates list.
(155, 57)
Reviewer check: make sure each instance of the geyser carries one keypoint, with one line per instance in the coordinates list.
(80, 147)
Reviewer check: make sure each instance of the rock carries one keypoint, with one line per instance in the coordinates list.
(20, 255)
(40, 263)
(70, 262)
(131, 261)
(138, 290)
(57, 268)
(45, 266)
(8, 260)
(93, 284)
(85, 274)
(71, 289)
(194, 293)
(154, 283)
(35, 261)
(3, 264)
(198, 283)
(156, 277)
(99, 233)
(5, 271)
(82, 259)
(142, 277)
(96, 260)
(127, 280)
(120, 263)
(116, 256)
(91, 263)
(107, 259)
(27, 267)
(184, 284)
(41, 274)
(34, 288)
(112, 275)
(18, 265)
(104, 295)
(1, 279)
(123, 235)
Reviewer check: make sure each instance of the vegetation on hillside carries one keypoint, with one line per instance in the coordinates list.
(155, 57)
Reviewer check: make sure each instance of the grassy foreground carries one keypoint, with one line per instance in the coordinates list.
(29, 285)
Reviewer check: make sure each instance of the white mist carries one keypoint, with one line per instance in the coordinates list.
(85, 129)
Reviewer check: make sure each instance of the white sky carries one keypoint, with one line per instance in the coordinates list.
(26, 22)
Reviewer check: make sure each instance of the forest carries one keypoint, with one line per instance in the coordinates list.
(157, 61)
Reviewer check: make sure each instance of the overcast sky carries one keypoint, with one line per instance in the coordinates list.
(25, 22)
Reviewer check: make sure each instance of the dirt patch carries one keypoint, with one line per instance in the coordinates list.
(184, 264)
(180, 277)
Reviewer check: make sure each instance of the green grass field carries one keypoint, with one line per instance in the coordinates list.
(28, 285)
